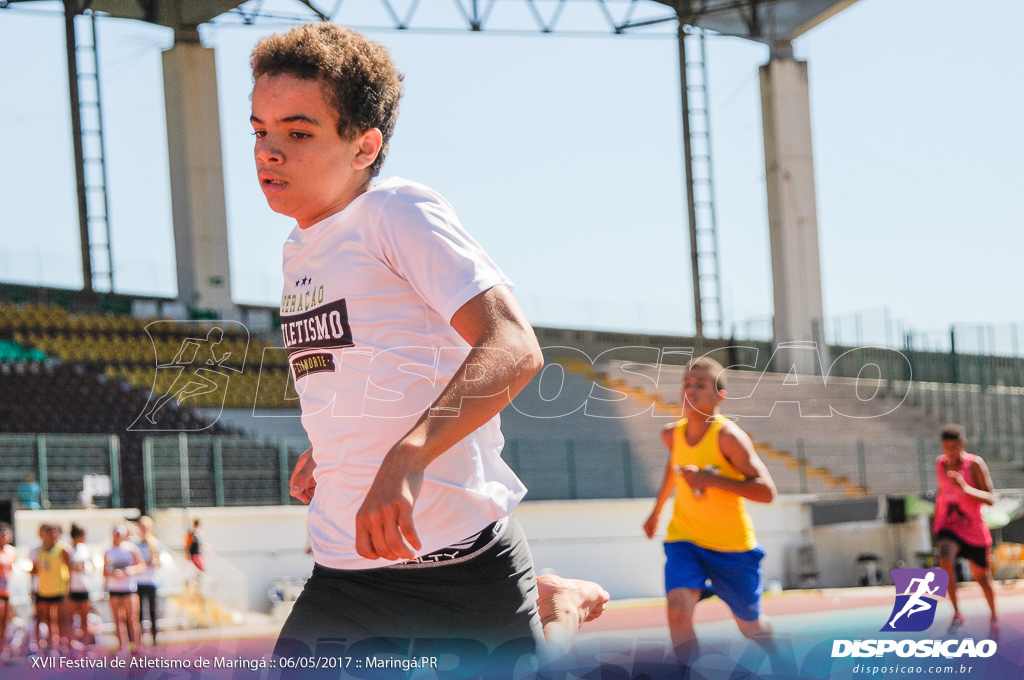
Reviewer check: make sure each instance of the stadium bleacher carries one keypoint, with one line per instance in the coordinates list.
(77, 365)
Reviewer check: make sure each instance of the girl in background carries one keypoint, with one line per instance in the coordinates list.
(78, 588)
(149, 549)
(121, 563)
(7, 559)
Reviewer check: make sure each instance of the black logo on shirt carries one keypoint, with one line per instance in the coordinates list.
(322, 328)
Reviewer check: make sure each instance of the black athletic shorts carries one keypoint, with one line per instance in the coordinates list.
(978, 554)
(78, 597)
(480, 606)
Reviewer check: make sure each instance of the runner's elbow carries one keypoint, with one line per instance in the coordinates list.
(530, 359)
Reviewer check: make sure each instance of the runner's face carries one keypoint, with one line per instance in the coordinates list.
(305, 167)
(48, 536)
(700, 396)
(952, 448)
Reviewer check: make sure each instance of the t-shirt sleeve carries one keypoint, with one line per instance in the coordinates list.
(423, 241)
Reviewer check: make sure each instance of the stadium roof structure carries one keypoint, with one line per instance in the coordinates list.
(767, 21)
(787, 133)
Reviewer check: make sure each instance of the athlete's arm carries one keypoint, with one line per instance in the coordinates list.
(981, 480)
(735, 445)
(504, 356)
(667, 484)
(302, 485)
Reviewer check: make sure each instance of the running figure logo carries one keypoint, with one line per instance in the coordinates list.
(916, 593)
(199, 366)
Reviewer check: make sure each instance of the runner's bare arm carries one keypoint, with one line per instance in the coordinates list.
(981, 480)
(302, 484)
(667, 484)
(737, 448)
(503, 358)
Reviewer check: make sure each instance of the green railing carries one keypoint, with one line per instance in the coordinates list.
(223, 471)
(992, 415)
(217, 471)
(573, 468)
(62, 464)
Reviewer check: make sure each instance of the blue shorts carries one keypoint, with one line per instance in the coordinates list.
(733, 576)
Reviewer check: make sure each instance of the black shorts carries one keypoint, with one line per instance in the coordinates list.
(977, 554)
(470, 607)
(48, 599)
(78, 597)
(121, 593)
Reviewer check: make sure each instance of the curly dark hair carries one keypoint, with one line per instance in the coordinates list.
(359, 78)
(954, 433)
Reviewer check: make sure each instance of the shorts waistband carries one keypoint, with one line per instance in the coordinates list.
(460, 552)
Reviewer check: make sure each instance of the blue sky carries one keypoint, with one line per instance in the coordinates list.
(562, 154)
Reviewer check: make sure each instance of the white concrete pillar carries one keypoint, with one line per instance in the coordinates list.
(197, 177)
(792, 212)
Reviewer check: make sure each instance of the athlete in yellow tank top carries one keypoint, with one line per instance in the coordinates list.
(709, 517)
(52, 571)
(51, 567)
(710, 545)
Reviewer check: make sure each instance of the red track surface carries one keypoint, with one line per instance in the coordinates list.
(257, 643)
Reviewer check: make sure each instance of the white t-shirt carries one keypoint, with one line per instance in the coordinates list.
(368, 296)
(120, 557)
(81, 569)
(7, 559)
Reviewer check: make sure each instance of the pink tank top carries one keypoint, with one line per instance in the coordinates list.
(955, 510)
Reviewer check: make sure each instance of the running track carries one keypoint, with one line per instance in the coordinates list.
(631, 641)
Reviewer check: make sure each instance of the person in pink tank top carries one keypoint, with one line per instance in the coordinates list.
(960, 531)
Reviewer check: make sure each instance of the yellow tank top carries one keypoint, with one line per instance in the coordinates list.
(52, 574)
(710, 518)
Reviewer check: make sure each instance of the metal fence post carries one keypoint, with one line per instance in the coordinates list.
(922, 465)
(1010, 452)
(218, 471)
(980, 363)
(282, 461)
(147, 474)
(969, 421)
(953, 372)
(862, 464)
(1017, 379)
(44, 478)
(186, 490)
(115, 471)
